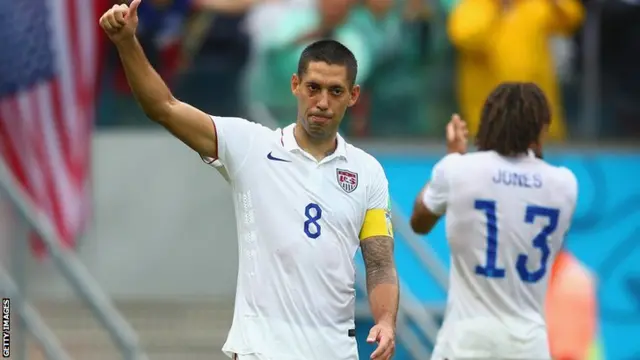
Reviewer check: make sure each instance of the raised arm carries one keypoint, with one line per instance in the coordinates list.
(431, 202)
(190, 125)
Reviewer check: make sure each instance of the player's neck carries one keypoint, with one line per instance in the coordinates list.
(537, 150)
(319, 149)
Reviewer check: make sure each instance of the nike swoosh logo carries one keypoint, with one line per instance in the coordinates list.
(271, 157)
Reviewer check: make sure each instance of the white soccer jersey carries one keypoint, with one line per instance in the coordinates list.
(506, 219)
(299, 223)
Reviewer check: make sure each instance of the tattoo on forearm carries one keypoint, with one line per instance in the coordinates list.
(378, 260)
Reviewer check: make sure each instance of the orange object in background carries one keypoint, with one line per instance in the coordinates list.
(571, 309)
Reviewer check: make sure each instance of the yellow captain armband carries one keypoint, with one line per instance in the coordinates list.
(377, 222)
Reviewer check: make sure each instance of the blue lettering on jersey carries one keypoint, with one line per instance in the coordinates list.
(511, 178)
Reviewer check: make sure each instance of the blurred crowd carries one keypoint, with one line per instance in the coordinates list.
(419, 60)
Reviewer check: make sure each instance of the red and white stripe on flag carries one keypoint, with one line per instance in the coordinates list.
(48, 77)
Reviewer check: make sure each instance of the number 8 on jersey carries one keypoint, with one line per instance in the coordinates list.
(313, 213)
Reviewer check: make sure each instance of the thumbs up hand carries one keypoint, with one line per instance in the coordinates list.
(120, 22)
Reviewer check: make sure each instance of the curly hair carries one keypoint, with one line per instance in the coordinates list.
(512, 118)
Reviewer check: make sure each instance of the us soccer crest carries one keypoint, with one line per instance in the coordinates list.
(347, 180)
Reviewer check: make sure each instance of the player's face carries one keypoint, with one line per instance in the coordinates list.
(324, 94)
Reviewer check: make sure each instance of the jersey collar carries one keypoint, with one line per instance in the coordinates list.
(289, 143)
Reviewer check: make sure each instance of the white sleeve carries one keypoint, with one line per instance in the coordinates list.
(378, 193)
(235, 139)
(436, 193)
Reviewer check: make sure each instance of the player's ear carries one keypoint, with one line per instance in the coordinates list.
(355, 94)
(295, 84)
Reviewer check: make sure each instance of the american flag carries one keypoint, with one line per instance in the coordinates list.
(48, 74)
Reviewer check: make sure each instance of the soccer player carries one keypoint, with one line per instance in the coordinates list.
(305, 200)
(507, 215)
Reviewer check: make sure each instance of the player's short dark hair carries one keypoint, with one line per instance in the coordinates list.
(331, 52)
(512, 118)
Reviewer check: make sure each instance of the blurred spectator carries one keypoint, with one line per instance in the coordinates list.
(376, 18)
(217, 51)
(281, 29)
(160, 33)
(509, 41)
(200, 49)
(394, 99)
(620, 56)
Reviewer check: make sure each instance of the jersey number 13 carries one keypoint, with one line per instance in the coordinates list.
(491, 269)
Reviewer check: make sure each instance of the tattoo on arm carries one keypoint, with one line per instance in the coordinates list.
(378, 260)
